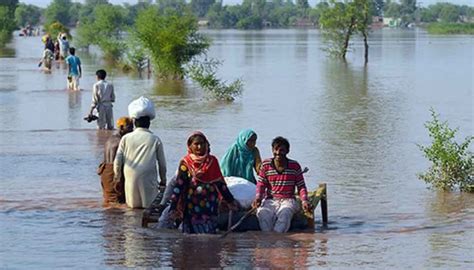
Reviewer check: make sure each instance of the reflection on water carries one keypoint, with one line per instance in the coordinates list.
(446, 212)
(355, 127)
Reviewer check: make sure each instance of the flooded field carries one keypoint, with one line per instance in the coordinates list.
(355, 127)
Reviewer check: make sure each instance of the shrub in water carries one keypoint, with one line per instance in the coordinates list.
(451, 163)
(204, 73)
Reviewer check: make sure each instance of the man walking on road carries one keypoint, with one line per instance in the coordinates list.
(137, 158)
(75, 70)
(102, 98)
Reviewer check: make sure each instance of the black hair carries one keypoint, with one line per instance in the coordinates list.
(143, 122)
(191, 139)
(278, 141)
(72, 50)
(101, 74)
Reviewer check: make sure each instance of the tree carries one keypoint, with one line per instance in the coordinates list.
(302, 6)
(449, 13)
(105, 30)
(171, 39)
(86, 12)
(378, 6)
(58, 11)
(338, 25)
(392, 9)
(27, 15)
(342, 20)
(201, 7)
(7, 20)
(362, 13)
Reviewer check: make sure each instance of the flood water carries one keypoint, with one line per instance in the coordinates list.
(355, 127)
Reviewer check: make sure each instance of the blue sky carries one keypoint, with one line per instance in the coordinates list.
(44, 3)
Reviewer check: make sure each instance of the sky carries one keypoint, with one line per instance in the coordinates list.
(44, 3)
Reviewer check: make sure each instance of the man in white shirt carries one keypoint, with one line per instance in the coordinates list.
(102, 98)
(137, 156)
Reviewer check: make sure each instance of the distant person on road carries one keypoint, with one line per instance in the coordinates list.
(75, 70)
(46, 60)
(276, 183)
(48, 43)
(63, 46)
(114, 192)
(243, 157)
(102, 98)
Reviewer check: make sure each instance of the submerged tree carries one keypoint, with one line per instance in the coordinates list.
(205, 74)
(170, 38)
(452, 165)
(340, 21)
(104, 30)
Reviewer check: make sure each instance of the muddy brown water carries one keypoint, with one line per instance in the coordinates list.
(355, 127)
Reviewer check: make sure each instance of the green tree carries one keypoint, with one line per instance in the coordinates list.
(86, 12)
(74, 13)
(105, 31)
(201, 7)
(363, 19)
(7, 20)
(172, 40)
(55, 28)
(302, 6)
(58, 11)
(338, 25)
(449, 13)
(392, 10)
(27, 15)
(340, 21)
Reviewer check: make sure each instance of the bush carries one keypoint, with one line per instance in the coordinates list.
(204, 73)
(451, 163)
(55, 28)
(171, 39)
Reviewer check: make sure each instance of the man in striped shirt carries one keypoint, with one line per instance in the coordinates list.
(276, 184)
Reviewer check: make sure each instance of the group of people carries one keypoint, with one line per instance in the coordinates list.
(129, 175)
(60, 50)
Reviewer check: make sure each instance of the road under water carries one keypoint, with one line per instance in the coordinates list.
(355, 127)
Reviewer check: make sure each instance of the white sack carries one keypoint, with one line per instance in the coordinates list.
(141, 107)
(242, 189)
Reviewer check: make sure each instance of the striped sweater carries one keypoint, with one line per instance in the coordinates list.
(280, 185)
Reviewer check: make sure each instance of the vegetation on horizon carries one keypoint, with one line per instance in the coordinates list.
(452, 164)
(451, 28)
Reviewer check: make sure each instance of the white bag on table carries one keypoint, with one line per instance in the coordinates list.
(242, 190)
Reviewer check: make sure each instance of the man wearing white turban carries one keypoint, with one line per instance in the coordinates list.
(137, 157)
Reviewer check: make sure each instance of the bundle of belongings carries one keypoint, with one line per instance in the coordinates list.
(91, 118)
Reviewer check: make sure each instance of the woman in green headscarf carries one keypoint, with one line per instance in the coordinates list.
(243, 157)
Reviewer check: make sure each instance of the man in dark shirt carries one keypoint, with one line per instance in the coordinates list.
(113, 192)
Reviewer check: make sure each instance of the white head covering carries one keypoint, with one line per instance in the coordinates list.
(141, 107)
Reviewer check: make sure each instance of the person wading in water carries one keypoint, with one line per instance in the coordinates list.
(113, 191)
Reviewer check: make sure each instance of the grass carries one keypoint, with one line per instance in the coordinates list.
(451, 28)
